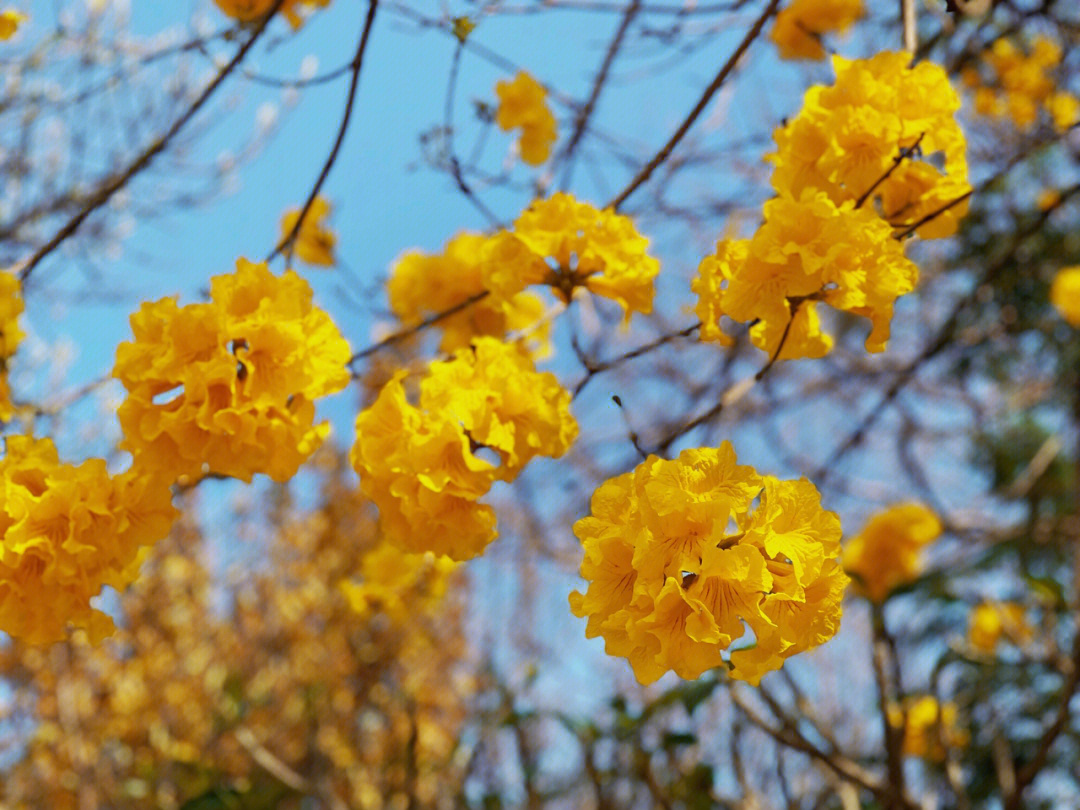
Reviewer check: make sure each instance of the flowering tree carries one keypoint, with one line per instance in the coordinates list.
(775, 387)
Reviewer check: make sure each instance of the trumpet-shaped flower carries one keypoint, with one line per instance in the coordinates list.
(228, 387)
(66, 531)
(523, 103)
(422, 464)
(887, 553)
(684, 557)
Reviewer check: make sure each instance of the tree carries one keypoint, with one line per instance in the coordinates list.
(771, 366)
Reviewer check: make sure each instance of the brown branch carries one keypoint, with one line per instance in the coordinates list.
(839, 764)
(286, 244)
(710, 91)
(397, 337)
(106, 191)
(581, 120)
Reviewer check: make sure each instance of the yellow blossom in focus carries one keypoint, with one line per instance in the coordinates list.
(255, 10)
(883, 134)
(522, 103)
(314, 240)
(887, 553)
(423, 285)
(926, 727)
(989, 622)
(10, 20)
(421, 464)
(683, 556)
(65, 532)
(228, 387)
(11, 307)
(807, 250)
(800, 25)
(599, 250)
(1065, 294)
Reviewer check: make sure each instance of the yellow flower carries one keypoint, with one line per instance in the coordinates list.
(10, 20)
(682, 556)
(1019, 83)
(928, 727)
(422, 466)
(65, 531)
(396, 583)
(228, 387)
(989, 622)
(851, 139)
(887, 552)
(599, 250)
(522, 103)
(254, 10)
(1065, 294)
(799, 26)
(11, 307)
(806, 250)
(314, 240)
(423, 285)
(1064, 109)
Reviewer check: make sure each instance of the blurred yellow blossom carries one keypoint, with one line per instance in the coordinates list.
(10, 20)
(1014, 84)
(314, 240)
(11, 307)
(800, 25)
(254, 10)
(927, 727)
(1065, 294)
(523, 103)
(989, 622)
(887, 553)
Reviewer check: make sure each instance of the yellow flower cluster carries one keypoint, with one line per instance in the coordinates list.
(423, 466)
(254, 10)
(927, 727)
(1065, 294)
(10, 20)
(398, 584)
(682, 556)
(992, 621)
(887, 553)
(1017, 84)
(423, 285)
(11, 307)
(849, 137)
(66, 531)
(806, 250)
(522, 103)
(800, 26)
(228, 387)
(314, 239)
(846, 177)
(568, 244)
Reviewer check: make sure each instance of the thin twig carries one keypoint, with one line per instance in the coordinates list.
(286, 244)
(710, 91)
(581, 120)
(106, 192)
